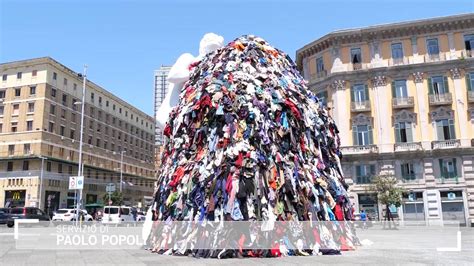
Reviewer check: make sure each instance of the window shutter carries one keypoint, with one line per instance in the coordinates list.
(430, 86)
(455, 167)
(468, 81)
(394, 93)
(446, 85)
(352, 94)
(409, 132)
(441, 168)
(452, 132)
(354, 136)
(397, 133)
(372, 170)
(371, 138)
(358, 171)
(366, 92)
(439, 130)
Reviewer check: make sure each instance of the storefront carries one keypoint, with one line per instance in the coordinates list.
(452, 206)
(91, 198)
(15, 198)
(368, 203)
(413, 207)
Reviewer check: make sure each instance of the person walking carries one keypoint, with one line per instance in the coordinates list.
(363, 218)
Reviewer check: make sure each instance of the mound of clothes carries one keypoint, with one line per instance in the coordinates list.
(248, 142)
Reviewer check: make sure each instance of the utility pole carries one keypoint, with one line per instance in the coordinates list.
(80, 166)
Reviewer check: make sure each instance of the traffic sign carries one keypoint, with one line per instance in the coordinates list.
(110, 188)
(76, 182)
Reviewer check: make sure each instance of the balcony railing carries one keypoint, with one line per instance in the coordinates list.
(441, 99)
(435, 57)
(449, 177)
(409, 146)
(466, 54)
(446, 144)
(403, 102)
(398, 61)
(363, 106)
(359, 149)
(470, 96)
(364, 180)
(407, 178)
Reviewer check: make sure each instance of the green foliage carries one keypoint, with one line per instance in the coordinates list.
(387, 189)
(117, 198)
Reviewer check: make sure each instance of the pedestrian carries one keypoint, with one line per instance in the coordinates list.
(363, 218)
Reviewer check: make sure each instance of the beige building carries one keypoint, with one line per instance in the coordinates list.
(40, 114)
(402, 95)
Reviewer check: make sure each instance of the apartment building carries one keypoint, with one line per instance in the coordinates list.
(402, 95)
(40, 114)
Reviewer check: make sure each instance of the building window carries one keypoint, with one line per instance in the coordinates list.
(469, 44)
(97, 143)
(399, 89)
(448, 168)
(17, 92)
(64, 99)
(126, 113)
(2, 110)
(362, 135)
(445, 129)
(29, 125)
(432, 47)
(51, 127)
(360, 93)
(364, 173)
(32, 90)
(61, 152)
(26, 148)
(9, 166)
(100, 100)
(73, 117)
(408, 171)
(91, 124)
(74, 105)
(71, 134)
(113, 107)
(65, 81)
(48, 166)
(1, 127)
(470, 81)
(52, 109)
(14, 126)
(319, 65)
(2, 94)
(397, 51)
(31, 107)
(69, 169)
(120, 110)
(356, 56)
(16, 109)
(34, 73)
(403, 132)
(11, 149)
(50, 150)
(438, 85)
(55, 76)
(53, 92)
(63, 113)
(26, 165)
(4, 77)
(60, 168)
(106, 103)
(92, 97)
(18, 75)
(61, 131)
(71, 155)
(89, 141)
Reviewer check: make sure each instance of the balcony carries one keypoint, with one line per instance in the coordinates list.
(398, 61)
(363, 106)
(449, 177)
(408, 178)
(404, 102)
(363, 180)
(441, 99)
(446, 144)
(408, 146)
(434, 57)
(466, 54)
(357, 66)
(360, 149)
(470, 96)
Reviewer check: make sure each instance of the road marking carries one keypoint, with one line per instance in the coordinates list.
(457, 248)
(23, 221)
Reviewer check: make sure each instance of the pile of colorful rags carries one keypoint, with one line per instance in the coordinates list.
(249, 142)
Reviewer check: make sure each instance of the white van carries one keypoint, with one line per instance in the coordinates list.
(117, 214)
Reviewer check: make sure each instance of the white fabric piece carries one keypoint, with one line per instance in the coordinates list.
(179, 74)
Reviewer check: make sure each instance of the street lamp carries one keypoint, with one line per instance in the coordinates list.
(79, 170)
(121, 168)
(41, 181)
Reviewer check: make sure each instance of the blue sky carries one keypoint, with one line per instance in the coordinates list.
(123, 42)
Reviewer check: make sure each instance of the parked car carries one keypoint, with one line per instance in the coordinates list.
(26, 213)
(117, 214)
(4, 215)
(70, 215)
(141, 216)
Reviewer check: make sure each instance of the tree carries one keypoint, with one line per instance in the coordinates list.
(116, 197)
(388, 193)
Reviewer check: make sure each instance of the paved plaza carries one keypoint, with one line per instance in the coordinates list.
(388, 247)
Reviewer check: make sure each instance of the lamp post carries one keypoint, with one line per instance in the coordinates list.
(41, 181)
(121, 169)
(79, 170)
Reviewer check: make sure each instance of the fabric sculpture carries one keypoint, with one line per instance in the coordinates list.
(249, 142)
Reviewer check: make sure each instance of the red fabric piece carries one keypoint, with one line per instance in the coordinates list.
(294, 109)
(303, 147)
(275, 251)
(177, 176)
(239, 160)
(228, 184)
(339, 213)
(316, 236)
(167, 130)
